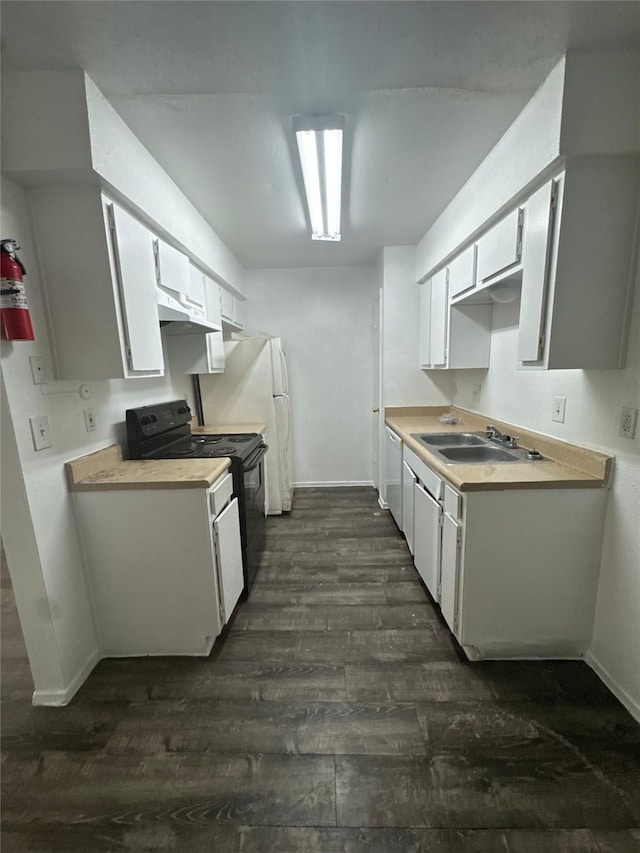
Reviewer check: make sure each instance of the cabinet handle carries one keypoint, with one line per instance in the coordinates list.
(375, 410)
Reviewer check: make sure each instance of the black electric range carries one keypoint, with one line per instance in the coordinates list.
(163, 431)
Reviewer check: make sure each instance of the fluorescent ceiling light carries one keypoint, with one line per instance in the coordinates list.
(320, 146)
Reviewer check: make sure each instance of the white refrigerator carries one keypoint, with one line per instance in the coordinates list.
(254, 388)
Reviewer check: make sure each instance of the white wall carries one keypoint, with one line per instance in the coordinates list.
(38, 529)
(325, 317)
(594, 398)
(404, 382)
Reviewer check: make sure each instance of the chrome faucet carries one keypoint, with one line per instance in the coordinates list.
(493, 434)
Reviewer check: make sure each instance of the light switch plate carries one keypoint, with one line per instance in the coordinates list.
(41, 432)
(558, 407)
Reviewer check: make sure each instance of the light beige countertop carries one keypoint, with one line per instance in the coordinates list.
(106, 469)
(565, 465)
(220, 429)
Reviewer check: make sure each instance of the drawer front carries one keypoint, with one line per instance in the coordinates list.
(429, 479)
(452, 502)
(220, 494)
(462, 272)
(500, 247)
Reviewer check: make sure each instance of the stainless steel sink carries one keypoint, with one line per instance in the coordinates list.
(486, 454)
(449, 439)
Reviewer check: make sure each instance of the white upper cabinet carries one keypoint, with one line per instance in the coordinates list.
(212, 302)
(173, 268)
(501, 247)
(230, 309)
(132, 244)
(196, 353)
(536, 255)
(452, 336)
(425, 324)
(438, 320)
(589, 276)
(462, 272)
(99, 281)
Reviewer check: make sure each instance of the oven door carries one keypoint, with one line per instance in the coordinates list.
(254, 508)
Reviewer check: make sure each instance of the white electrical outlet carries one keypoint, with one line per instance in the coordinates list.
(41, 432)
(90, 421)
(37, 369)
(476, 390)
(627, 422)
(558, 407)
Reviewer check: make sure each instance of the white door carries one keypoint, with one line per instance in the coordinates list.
(451, 532)
(376, 423)
(229, 558)
(133, 248)
(500, 247)
(425, 324)
(408, 491)
(426, 538)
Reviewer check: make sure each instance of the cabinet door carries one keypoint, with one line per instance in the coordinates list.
(425, 324)
(500, 247)
(408, 489)
(451, 538)
(439, 315)
(426, 538)
(462, 272)
(196, 286)
(173, 268)
(535, 273)
(212, 301)
(229, 558)
(133, 250)
(215, 352)
(227, 305)
(393, 475)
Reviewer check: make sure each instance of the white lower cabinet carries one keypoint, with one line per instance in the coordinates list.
(393, 475)
(515, 572)
(164, 567)
(426, 538)
(450, 570)
(408, 490)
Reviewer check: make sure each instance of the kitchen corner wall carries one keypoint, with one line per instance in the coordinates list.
(594, 398)
(325, 317)
(38, 525)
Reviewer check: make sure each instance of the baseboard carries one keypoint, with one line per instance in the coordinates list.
(56, 698)
(632, 706)
(382, 503)
(334, 483)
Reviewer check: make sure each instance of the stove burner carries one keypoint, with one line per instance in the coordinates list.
(207, 439)
(224, 451)
(239, 439)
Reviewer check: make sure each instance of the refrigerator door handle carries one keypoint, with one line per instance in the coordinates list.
(285, 375)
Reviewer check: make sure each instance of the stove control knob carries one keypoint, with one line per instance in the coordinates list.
(145, 419)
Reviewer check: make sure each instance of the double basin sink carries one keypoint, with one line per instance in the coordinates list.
(466, 448)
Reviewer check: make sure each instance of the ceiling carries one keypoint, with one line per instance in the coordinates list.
(210, 88)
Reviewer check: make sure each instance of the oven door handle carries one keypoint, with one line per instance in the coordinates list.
(255, 460)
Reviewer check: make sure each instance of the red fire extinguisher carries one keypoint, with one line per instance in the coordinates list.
(15, 321)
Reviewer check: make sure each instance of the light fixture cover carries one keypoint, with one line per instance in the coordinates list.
(319, 141)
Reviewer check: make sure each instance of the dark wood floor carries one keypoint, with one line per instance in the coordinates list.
(336, 717)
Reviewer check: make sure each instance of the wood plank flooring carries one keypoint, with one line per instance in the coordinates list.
(336, 716)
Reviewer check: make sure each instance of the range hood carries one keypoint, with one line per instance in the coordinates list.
(179, 318)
